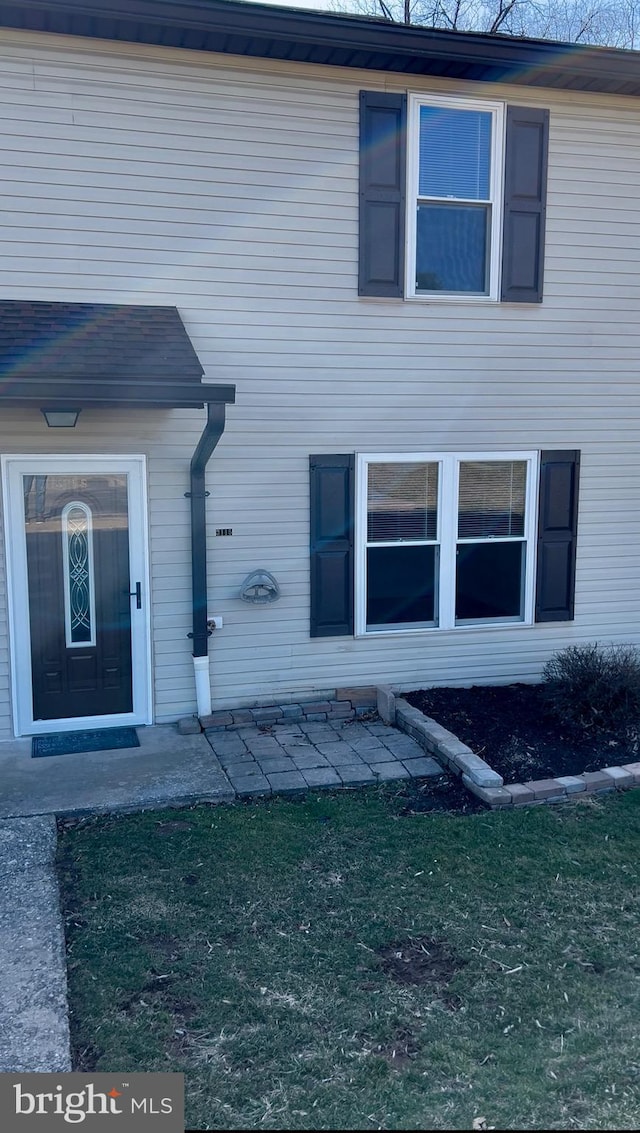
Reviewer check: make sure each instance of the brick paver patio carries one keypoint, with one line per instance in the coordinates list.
(286, 757)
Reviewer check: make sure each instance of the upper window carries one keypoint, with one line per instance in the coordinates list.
(454, 197)
(446, 540)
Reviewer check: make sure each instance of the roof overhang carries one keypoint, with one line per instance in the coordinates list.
(261, 31)
(99, 355)
(112, 395)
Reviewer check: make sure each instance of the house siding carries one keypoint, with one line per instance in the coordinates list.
(228, 188)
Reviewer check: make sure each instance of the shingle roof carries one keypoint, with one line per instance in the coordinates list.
(104, 341)
(98, 354)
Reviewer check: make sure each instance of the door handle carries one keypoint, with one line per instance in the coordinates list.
(137, 594)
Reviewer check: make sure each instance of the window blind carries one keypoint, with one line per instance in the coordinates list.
(491, 499)
(455, 153)
(402, 502)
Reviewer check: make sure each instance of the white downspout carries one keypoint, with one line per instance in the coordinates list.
(203, 685)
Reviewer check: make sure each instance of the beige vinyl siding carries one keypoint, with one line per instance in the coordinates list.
(228, 188)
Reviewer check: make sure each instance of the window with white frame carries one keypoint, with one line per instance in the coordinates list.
(445, 540)
(454, 197)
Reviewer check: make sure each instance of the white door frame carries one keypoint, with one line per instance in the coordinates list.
(13, 469)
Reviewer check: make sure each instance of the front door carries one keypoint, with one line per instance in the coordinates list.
(76, 541)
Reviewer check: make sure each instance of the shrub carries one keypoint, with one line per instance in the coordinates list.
(594, 686)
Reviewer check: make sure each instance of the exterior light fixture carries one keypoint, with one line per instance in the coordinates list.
(61, 418)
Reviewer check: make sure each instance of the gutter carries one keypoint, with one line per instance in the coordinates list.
(258, 30)
(200, 634)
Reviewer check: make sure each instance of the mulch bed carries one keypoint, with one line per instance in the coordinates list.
(511, 728)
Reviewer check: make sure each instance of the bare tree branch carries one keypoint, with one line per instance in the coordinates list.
(505, 8)
(613, 22)
(456, 14)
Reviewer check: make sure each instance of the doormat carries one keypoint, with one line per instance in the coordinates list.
(66, 743)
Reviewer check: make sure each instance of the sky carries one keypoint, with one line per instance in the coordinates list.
(317, 4)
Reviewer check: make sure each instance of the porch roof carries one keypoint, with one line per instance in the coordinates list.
(82, 355)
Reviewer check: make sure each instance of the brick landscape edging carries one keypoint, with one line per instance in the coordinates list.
(452, 753)
(343, 704)
(481, 779)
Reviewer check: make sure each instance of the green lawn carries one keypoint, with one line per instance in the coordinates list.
(334, 963)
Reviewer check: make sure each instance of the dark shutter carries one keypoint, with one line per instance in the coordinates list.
(557, 527)
(332, 480)
(525, 199)
(382, 193)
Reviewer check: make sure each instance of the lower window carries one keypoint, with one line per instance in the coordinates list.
(445, 540)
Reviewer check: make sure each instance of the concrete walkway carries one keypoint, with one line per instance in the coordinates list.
(34, 1025)
(168, 769)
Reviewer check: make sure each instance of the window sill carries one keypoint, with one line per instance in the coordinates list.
(452, 300)
(510, 625)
